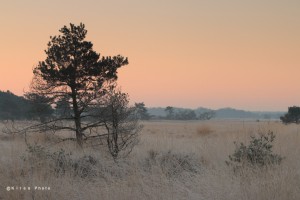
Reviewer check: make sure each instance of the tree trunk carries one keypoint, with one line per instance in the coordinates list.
(77, 118)
(78, 131)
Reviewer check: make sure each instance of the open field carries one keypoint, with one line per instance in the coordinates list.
(173, 160)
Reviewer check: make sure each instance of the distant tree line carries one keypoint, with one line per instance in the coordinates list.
(14, 107)
(187, 114)
(174, 113)
(35, 107)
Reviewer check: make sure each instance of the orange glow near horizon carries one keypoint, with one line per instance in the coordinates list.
(181, 53)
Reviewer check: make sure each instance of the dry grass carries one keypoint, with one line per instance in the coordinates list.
(204, 130)
(168, 163)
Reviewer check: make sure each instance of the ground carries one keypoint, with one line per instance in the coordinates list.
(173, 160)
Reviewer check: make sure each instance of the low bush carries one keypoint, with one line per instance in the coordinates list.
(61, 162)
(173, 164)
(258, 153)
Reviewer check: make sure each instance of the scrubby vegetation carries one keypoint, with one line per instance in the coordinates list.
(173, 164)
(257, 153)
(60, 162)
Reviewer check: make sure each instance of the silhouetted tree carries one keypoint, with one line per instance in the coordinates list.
(170, 112)
(120, 121)
(293, 115)
(39, 107)
(74, 73)
(142, 111)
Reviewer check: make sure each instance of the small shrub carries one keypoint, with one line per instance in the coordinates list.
(61, 161)
(204, 130)
(83, 167)
(152, 155)
(257, 153)
(37, 152)
(173, 164)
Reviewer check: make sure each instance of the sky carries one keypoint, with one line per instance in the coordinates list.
(193, 53)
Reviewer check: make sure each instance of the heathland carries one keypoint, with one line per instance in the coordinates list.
(173, 160)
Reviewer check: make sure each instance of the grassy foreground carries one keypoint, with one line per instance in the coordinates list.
(173, 160)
